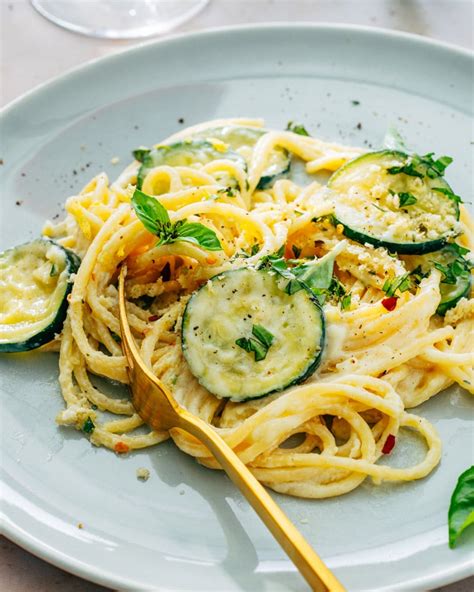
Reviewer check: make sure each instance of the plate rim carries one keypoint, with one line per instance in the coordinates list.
(103, 576)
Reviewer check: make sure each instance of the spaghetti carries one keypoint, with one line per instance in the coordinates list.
(318, 439)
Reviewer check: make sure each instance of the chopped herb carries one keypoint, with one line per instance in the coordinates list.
(453, 270)
(355, 103)
(88, 426)
(156, 220)
(229, 191)
(297, 128)
(116, 337)
(401, 283)
(259, 343)
(53, 271)
(459, 249)
(406, 199)
(140, 154)
(346, 301)
(422, 166)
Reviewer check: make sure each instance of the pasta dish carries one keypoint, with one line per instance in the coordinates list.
(300, 296)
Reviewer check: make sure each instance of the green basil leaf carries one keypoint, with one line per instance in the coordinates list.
(193, 232)
(253, 345)
(297, 128)
(316, 275)
(263, 335)
(149, 211)
(461, 508)
(346, 301)
(406, 199)
(88, 426)
(401, 283)
(140, 154)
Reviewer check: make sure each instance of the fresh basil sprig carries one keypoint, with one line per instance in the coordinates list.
(461, 508)
(259, 343)
(155, 218)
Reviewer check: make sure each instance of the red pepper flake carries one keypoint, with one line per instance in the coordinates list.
(390, 303)
(153, 318)
(121, 447)
(389, 444)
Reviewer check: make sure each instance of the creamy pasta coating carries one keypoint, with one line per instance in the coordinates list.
(317, 439)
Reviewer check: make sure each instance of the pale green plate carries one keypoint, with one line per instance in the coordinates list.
(188, 528)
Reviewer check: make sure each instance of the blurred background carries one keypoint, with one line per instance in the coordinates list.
(34, 50)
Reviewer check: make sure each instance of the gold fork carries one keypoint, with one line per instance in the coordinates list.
(156, 405)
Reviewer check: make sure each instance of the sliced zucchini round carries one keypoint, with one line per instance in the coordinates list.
(243, 337)
(186, 153)
(456, 276)
(398, 211)
(243, 140)
(35, 281)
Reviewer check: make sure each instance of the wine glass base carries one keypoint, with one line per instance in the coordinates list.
(119, 19)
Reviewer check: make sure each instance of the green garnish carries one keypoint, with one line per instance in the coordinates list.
(88, 426)
(346, 301)
(140, 154)
(229, 191)
(297, 128)
(259, 343)
(461, 508)
(156, 220)
(53, 271)
(453, 270)
(316, 275)
(406, 199)
(401, 283)
(429, 167)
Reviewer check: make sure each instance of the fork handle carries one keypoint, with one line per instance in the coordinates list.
(310, 565)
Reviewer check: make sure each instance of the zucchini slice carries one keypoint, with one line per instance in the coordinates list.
(186, 153)
(398, 211)
(456, 276)
(35, 281)
(243, 140)
(246, 306)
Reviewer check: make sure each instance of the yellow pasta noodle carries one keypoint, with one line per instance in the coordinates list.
(318, 439)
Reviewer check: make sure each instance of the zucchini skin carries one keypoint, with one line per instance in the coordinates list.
(47, 334)
(392, 247)
(403, 248)
(267, 181)
(226, 134)
(304, 375)
(443, 307)
(157, 156)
